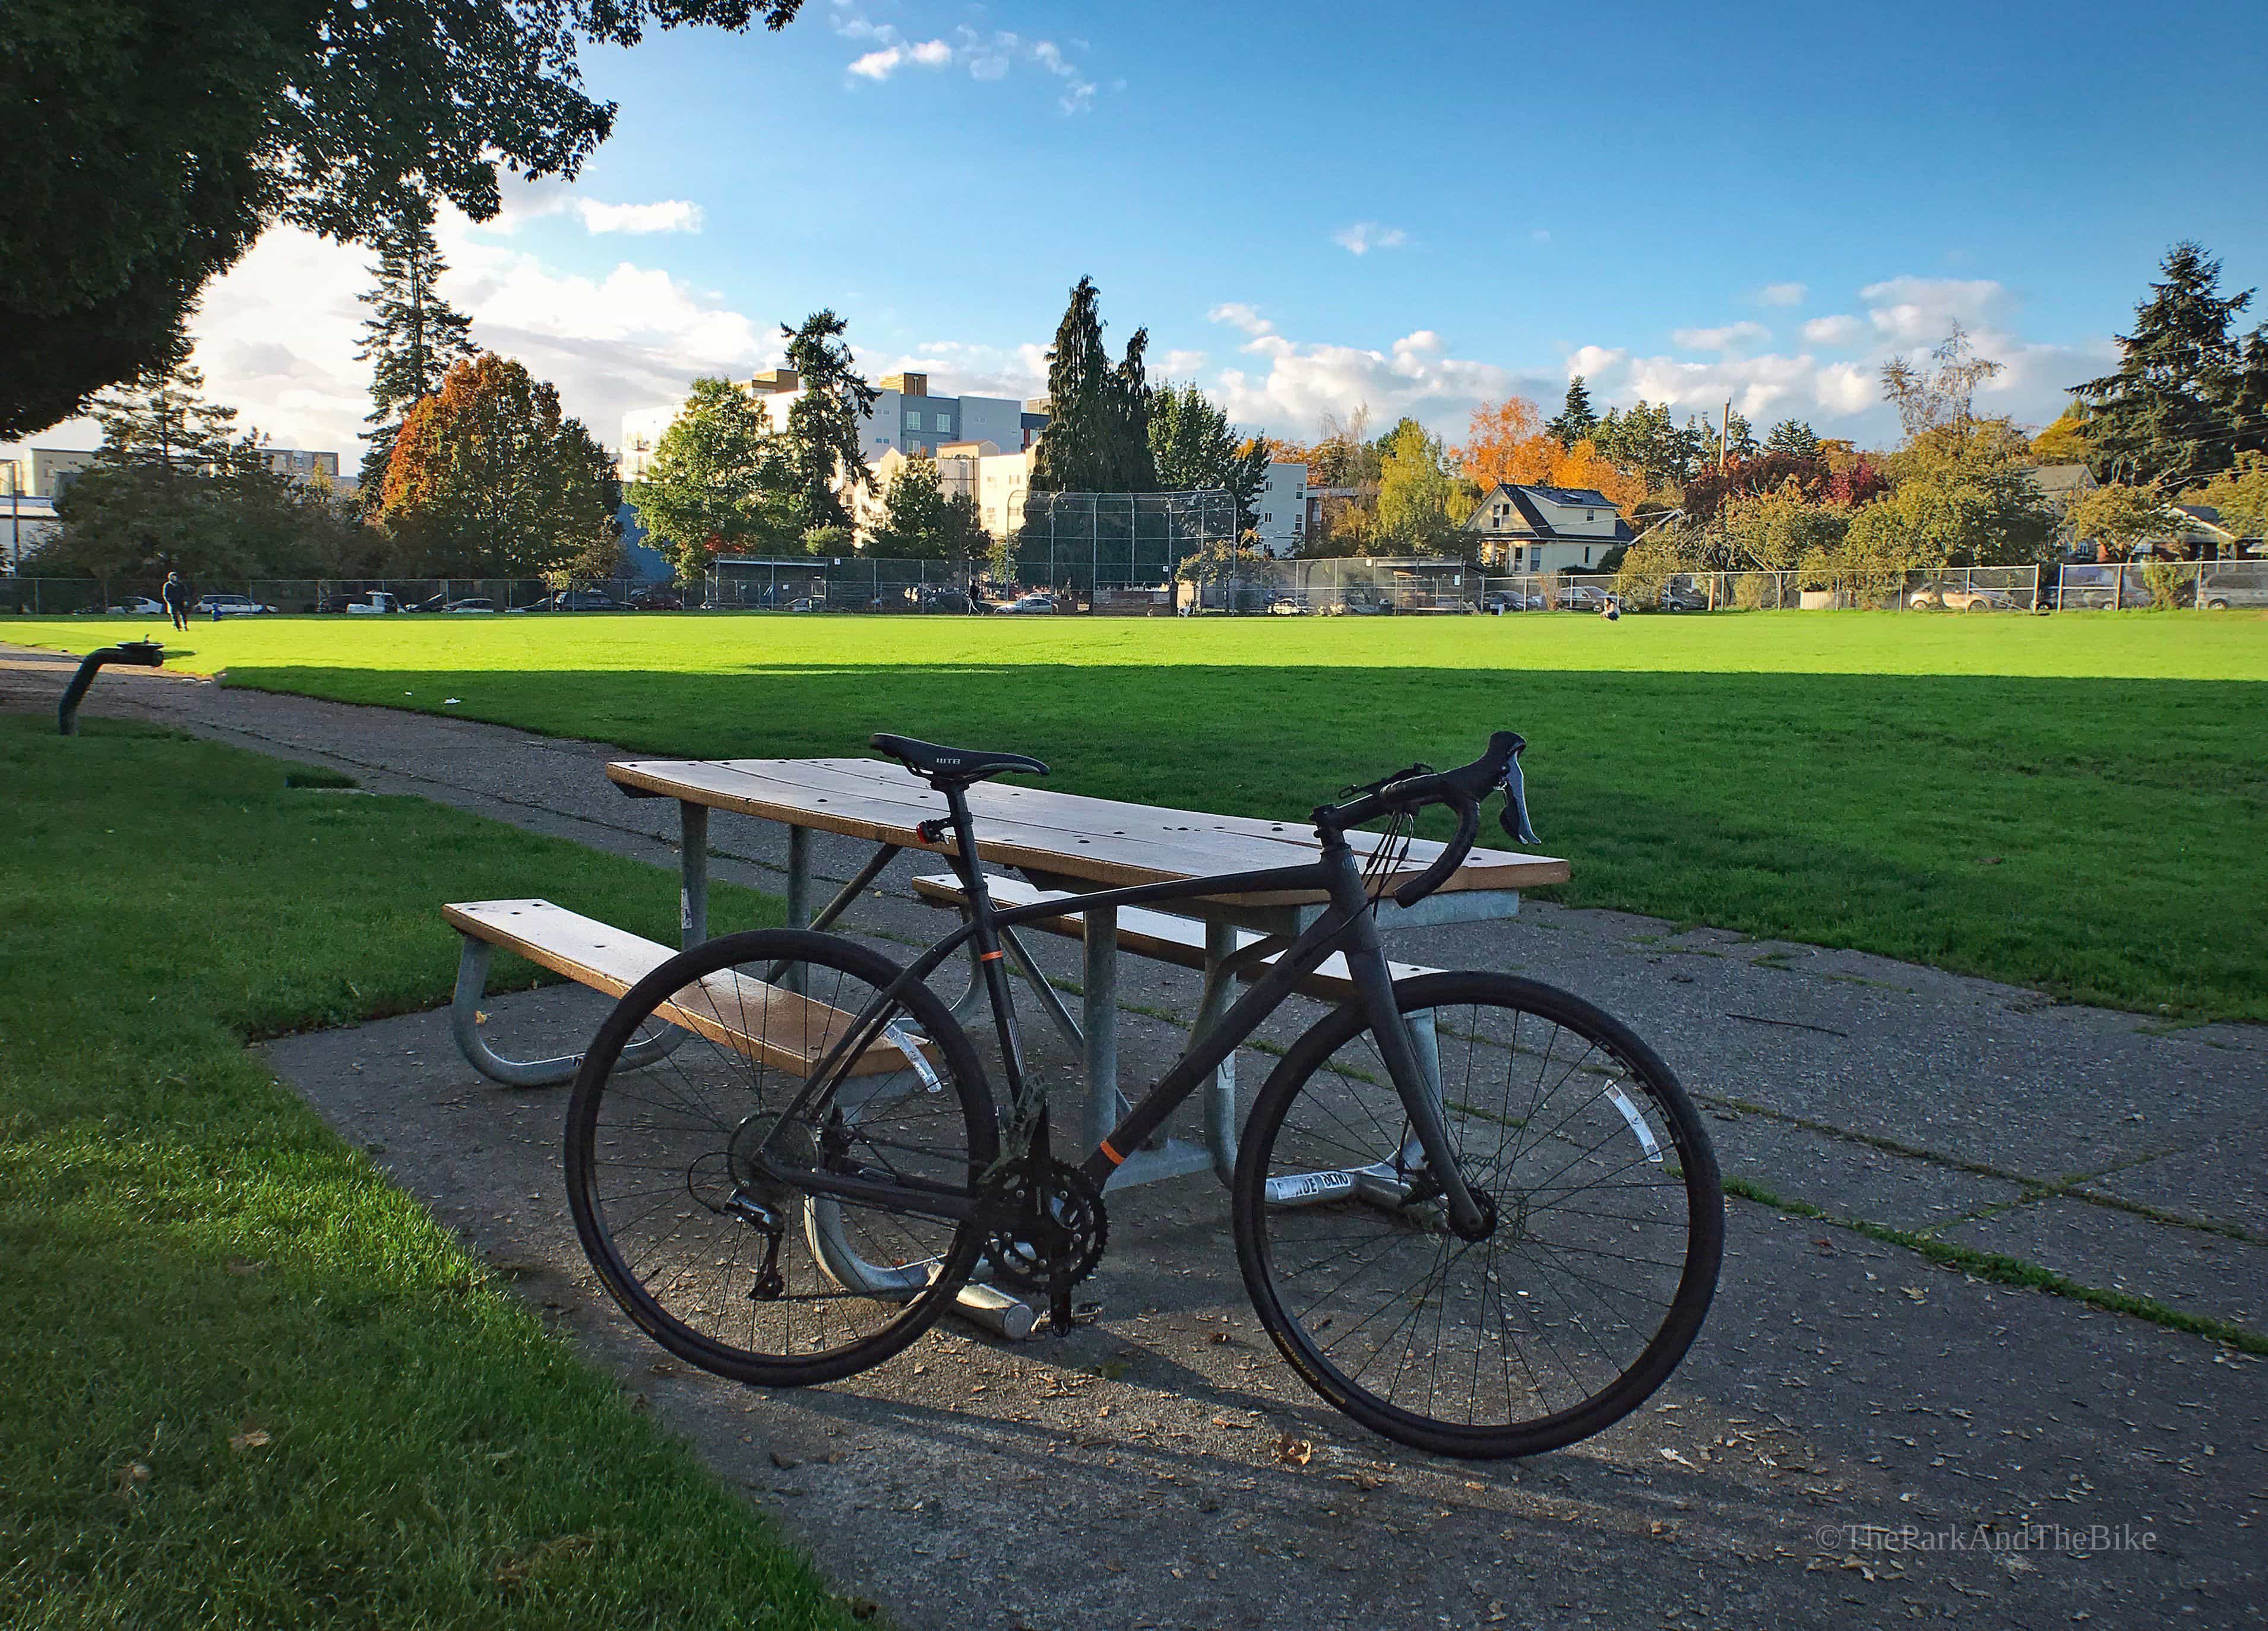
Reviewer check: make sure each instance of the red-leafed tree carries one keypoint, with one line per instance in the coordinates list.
(490, 479)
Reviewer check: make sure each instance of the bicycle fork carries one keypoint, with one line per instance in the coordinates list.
(1416, 1073)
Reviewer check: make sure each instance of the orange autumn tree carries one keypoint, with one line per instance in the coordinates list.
(1507, 442)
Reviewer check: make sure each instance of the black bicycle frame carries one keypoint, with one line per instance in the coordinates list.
(1346, 925)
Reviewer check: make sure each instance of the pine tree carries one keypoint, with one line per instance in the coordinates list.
(1577, 419)
(2170, 416)
(1097, 438)
(1794, 437)
(826, 434)
(162, 421)
(411, 336)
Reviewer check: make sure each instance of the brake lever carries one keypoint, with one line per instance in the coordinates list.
(1513, 817)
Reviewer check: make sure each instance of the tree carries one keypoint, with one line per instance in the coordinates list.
(1191, 446)
(2070, 440)
(826, 425)
(411, 335)
(490, 479)
(720, 482)
(1507, 445)
(1097, 439)
(922, 522)
(1217, 564)
(171, 133)
(1421, 502)
(2175, 412)
(1942, 397)
(1793, 438)
(1644, 439)
(1576, 420)
(2239, 495)
(2119, 518)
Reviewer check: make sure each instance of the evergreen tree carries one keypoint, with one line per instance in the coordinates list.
(2170, 416)
(1576, 420)
(1191, 446)
(826, 434)
(411, 335)
(162, 419)
(1792, 437)
(922, 522)
(1098, 435)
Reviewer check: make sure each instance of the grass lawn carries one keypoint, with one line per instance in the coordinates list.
(2078, 803)
(249, 1384)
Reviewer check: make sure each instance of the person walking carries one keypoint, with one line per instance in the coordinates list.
(175, 594)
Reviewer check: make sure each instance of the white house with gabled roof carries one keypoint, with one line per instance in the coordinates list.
(1547, 529)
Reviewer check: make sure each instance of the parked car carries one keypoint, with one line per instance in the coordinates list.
(1950, 597)
(136, 605)
(2219, 593)
(229, 606)
(471, 604)
(1288, 605)
(656, 601)
(1587, 598)
(373, 603)
(1683, 598)
(575, 600)
(2097, 588)
(1027, 606)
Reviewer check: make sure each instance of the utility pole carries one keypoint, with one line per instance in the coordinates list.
(15, 520)
(1724, 436)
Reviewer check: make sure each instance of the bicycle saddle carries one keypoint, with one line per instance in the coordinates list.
(962, 764)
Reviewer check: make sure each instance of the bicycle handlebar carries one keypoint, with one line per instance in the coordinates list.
(1462, 789)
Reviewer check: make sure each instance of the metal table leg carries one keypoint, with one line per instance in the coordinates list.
(1381, 1183)
(1221, 1092)
(1099, 1024)
(798, 877)
(693, 872)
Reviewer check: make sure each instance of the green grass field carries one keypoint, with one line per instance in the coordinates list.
(2078, 803)
(250, 1384)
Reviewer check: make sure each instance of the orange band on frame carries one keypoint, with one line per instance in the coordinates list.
(1115, 1158)
(992, 957)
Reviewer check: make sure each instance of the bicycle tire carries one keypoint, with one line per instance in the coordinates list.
(1626, 1115)
(680, 1126)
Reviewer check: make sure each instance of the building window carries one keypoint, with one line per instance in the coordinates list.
(1586, 555)
(913, 420)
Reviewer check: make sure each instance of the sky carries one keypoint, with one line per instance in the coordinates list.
(1322, 208)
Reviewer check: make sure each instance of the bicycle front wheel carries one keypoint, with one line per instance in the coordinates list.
(692, 1164)
(1571, 1309)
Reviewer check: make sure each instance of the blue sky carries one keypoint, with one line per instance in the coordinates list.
(1316, 206)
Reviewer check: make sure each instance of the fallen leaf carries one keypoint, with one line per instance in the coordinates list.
(250, 1438)
(1671, 1455)
(1233, 1427)
(1295, 1450)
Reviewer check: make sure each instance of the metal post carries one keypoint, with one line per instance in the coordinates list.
(798, 877)
(693, 868)
(1221, 1092)
(1099, 1023)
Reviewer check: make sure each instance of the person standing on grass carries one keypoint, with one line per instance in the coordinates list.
(175, 594)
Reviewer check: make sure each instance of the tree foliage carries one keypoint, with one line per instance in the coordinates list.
(825, 426)
(1576, 418)
(2118, 519)
(2189, 394)
(1939, 394)
(1422, 502)
(1192, 445)
(720, 482)
(1507, 442)
(1645, 440)
(1794, 438)
(923, 522)
(2240, 495)
(2069, 440)
(170, 132)
(1098, 434)
(490, 479)
(412, 334)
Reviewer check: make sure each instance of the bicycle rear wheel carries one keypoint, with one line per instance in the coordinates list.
(738, 1269)
(1608, 1220)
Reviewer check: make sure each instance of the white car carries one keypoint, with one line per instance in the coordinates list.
(1025, 605)
(138, 606)
(376, 603)
(228, 605)
(464, 608)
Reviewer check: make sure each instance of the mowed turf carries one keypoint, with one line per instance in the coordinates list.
(247, 1382)
(2077, 803)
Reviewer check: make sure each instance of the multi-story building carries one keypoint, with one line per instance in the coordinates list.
(1546, 529)
(1280, 510)
(905, 417)
(999, 482)
(44, 472)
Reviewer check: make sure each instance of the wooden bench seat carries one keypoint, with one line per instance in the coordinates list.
(766, 1023)
(1157, 935)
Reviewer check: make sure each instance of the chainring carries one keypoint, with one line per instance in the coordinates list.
(1027, 1243)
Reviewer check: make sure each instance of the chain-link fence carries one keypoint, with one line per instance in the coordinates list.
(1363, 585)
(1093, 547)
(2133, 585)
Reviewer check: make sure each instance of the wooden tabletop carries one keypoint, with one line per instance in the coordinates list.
(1099, 840)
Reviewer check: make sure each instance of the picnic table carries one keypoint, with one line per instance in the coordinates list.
(1069, 843)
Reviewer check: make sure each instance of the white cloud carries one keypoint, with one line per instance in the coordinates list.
(1918, 311)
(1782, 294)
(1731, 337)
(1302, 383)
(1365, 235)
(987, 57)
(1591, 361)
(671, 215)
(1182, 365)
(1839, 330)
(878, 64)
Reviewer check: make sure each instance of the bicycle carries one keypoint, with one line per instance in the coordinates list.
(1475, 1213)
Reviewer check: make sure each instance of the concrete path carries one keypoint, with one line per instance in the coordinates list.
(1860, 1438)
